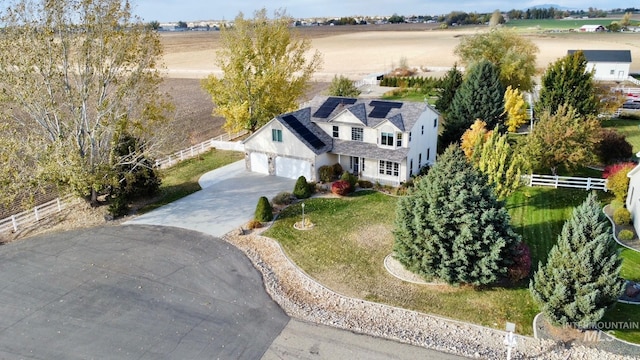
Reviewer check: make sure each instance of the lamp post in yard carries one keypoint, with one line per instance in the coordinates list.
(303, 226)
(510, 338)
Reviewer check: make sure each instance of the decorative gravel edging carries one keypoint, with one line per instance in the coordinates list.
(302, 297)
(395, 269)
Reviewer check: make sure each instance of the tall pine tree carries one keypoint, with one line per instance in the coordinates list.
(567, 82)
(481, 96)
(581, 276)
(447, 89)
(451, 226)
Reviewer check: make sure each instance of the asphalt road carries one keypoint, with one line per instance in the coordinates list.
(132, 292)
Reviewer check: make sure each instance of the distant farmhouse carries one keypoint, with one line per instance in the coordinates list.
(592, 28)
(608, 65)
(380, 141)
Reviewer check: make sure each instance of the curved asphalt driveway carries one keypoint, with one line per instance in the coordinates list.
(132, 292)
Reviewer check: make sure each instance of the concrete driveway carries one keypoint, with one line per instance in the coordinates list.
(227, 201)
(132, 292)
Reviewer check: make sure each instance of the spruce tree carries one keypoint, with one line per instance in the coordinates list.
(567, 82)
(581, 276)
(447, 89)
(451, 226)
(480, 96)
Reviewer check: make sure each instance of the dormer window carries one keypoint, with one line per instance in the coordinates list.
(399, 139)
(336, 131)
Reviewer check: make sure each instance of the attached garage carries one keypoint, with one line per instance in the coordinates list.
(259, 163)
(293, 168)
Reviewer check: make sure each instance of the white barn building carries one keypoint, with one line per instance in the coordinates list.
(607, 65)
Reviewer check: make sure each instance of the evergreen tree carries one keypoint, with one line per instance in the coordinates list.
(481, 96)
(301, 190)
(447, 89)
(263, 212)
(567, 81)
(451, 226)
(581, 276)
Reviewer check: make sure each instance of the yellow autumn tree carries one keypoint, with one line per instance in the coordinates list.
(475, 135)
(515, 108)
(266, 67)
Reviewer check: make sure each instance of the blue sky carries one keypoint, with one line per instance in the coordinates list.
(189, 10)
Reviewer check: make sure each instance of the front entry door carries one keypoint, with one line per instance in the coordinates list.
(356, 165)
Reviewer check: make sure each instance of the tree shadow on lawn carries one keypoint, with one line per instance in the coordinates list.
(546, 198)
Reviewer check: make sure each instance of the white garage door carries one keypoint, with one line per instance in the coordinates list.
(292, 168)
(259, 163)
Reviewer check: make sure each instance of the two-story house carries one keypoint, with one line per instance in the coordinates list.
(381, 141)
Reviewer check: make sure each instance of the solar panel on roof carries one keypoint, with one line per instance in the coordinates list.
(382, 108)
(303, 131)
(330, 104)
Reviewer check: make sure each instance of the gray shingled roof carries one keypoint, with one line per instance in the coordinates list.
(304, 116)
(409, 112)
(370, 151)
(619, 56)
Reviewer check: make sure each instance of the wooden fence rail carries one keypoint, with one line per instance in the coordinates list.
(567, 182)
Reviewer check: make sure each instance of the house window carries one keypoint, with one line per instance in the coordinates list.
(386, 139)
(420, 161)
(435, 122)
(409, 136)
(276, 135)
(389, 168)
(422, 131)
(411, 166)
(428, 153)
(336, 132)
(399, 139)
(612, 72)
(356, 134)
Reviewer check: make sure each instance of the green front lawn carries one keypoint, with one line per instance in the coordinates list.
(346, 248)
(181, 179)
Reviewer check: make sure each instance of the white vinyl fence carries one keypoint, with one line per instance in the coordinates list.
(31, 217)
(222, 142)
(566, 182)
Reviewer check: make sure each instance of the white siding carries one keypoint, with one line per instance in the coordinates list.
(633, 197)
(423, 143)
(609, 71)
(262, 141)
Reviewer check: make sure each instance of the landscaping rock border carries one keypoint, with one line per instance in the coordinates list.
(304, 298)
